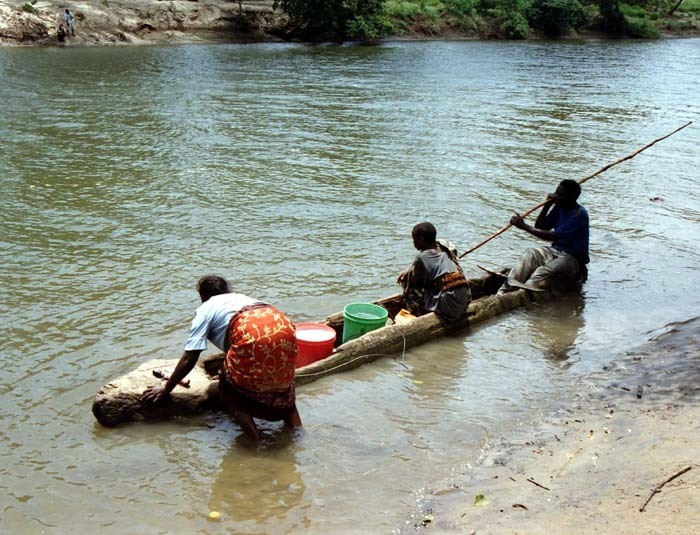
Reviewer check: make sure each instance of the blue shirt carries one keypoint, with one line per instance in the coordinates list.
(212, 318)
(570, 230)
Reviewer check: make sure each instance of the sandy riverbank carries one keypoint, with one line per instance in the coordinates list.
(599, 458)
(114, 22)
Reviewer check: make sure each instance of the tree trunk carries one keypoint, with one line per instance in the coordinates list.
(674, 8)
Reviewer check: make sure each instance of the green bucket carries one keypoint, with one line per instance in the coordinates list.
(361, 318)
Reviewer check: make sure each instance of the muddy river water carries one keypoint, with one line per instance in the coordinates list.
(298, 172)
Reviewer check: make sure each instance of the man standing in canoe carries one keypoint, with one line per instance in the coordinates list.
(435, 282)
(257, 379)
(564, 222)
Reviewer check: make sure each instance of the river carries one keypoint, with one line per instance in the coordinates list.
(297, 172)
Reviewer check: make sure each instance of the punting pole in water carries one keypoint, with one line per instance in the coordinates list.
(599, 171)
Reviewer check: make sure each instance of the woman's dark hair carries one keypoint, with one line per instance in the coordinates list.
(211, 285)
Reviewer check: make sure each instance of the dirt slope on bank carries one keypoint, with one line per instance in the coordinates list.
(104, 22)
(592, 466)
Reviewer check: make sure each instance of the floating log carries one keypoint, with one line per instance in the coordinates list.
(119, 401)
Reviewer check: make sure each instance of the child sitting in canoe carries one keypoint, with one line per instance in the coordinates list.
(435, 281)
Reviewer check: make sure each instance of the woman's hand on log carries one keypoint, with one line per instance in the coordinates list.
(155, 394)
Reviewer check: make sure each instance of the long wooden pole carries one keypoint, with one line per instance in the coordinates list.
(599, 171)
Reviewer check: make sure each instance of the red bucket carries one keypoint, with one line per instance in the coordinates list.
(315, 341)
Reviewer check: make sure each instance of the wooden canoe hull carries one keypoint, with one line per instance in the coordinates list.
(119, 401)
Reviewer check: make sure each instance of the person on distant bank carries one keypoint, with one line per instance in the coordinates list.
(257, 379)
(435, 281)
(61, 33)
(70, 22)
(564, 222)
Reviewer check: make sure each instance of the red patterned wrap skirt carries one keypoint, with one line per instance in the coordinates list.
(261, 360)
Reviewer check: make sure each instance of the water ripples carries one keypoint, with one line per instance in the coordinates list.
(298, 172)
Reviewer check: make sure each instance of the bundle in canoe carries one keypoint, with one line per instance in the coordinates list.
(119, 401)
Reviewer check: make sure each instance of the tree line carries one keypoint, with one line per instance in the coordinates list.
(340, 20)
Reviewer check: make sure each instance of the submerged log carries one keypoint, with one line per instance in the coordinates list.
(119, 401)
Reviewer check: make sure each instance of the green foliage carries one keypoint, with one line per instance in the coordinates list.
(369, 28)
(335, 19)
(316, 20)
(681, 25)
(611, 18)
(460, 13)
(28, 7)
(425, 16)
(515, 26)
(398, 9)
(642, 28)
(664, 7)
(639, 22)
(633, 11)
(415, 10)
(459, 8)
(510, 16)
(557, 17)
(690, 6)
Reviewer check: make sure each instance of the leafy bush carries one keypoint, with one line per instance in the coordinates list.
(642, 28)
(369, 28)
(425, 16)
(633, 11)
(460, 13)
(611, 18)
(403, 10)
(557, 17)
(690, 6)
(509, 16)
(333, 19)
(680, 25)
(515, 26)
(459, 8)
(28, 7)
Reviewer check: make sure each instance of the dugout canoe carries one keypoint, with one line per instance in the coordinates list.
(119, 401)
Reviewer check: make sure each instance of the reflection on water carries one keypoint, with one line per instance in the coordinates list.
(295, 172)
(557, 339)
(271, 491)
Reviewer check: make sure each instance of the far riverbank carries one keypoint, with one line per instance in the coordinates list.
(125, 22)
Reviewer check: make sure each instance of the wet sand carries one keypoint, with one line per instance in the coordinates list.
(590, 467)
